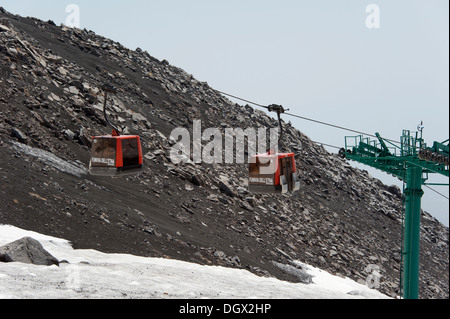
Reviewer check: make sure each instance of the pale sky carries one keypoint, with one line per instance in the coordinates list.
(317, 58)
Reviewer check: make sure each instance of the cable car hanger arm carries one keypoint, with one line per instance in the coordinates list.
(109, 88)
(279, 109)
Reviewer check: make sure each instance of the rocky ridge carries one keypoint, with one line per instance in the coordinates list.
(342, 220)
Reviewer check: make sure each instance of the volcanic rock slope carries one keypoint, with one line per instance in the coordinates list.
(342, 220)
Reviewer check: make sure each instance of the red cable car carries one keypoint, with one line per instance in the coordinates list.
(115, 154)
(273, 173)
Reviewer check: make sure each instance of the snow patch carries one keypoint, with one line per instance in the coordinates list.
(90, 274)
(48, 158)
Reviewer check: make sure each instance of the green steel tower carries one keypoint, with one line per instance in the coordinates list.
(412, 162)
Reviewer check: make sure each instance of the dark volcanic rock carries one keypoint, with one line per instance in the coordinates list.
(27, 250)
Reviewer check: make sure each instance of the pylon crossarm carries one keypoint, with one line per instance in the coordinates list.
(391, 164)
(429, 167)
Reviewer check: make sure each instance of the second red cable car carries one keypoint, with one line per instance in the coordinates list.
(273, 173)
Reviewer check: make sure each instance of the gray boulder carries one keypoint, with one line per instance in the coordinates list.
(227, 189)
(27, 250)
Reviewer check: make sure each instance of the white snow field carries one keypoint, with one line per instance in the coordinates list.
(90, 274)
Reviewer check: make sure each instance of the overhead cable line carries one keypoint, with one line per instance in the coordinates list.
(309, 119)
(337, 126)
(436, 191)
(324, 144)
(241, 99)
(267, 107)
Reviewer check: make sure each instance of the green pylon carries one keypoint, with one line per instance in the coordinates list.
(412, 165)
(413, 196)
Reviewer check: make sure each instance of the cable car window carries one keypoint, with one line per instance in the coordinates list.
(255, 168)
(130, 152)
(104, 152)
